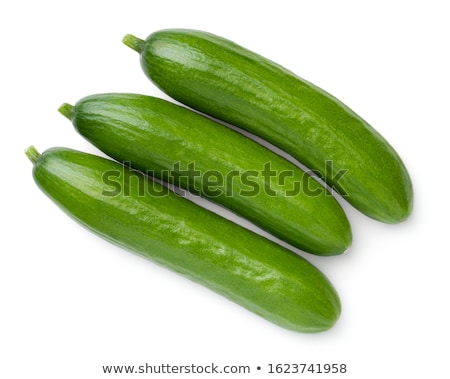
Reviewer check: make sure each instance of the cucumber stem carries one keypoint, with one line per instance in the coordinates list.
(134, 43)
(32, 154)
(66, 110)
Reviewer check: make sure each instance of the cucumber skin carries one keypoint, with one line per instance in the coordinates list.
(222, 79)
(248, 269)
(154, 134)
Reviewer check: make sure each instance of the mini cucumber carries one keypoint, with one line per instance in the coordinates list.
(222, 79)
(248, 269)
(189, 150)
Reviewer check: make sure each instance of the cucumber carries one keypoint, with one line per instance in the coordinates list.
(243, 266)
(181, 147)
(224, 80)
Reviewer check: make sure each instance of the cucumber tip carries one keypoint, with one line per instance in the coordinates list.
(133, 42)
(66, 110)
(32, 154)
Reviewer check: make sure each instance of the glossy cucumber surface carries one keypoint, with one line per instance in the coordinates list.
(187, 149)
(248, 269)
(231, 83)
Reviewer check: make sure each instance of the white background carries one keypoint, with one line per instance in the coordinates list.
(71, 303)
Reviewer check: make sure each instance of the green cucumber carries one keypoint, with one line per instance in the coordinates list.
(243, 266)
(231, 83)
(184, 148)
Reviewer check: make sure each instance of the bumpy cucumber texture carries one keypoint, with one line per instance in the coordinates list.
(182, 147)
(231, 83)
(254, 272)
